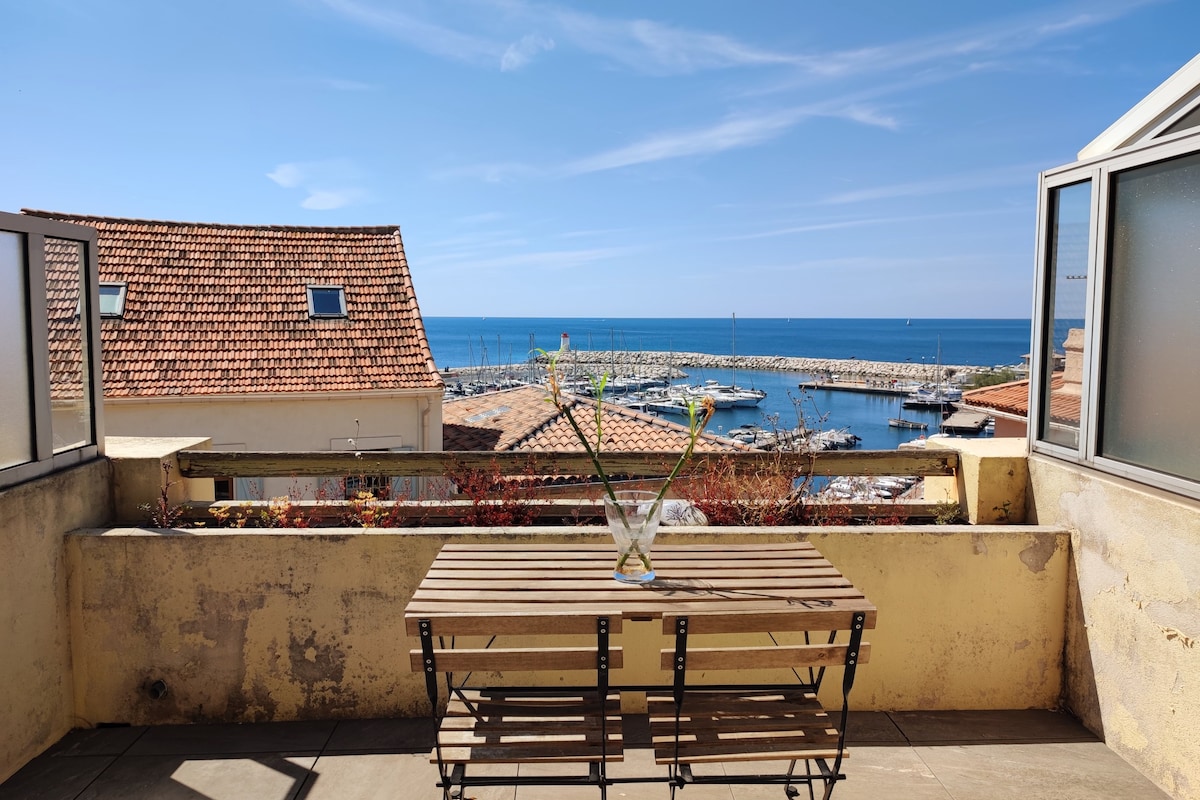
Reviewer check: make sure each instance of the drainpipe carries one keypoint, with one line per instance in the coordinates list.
(423, 433)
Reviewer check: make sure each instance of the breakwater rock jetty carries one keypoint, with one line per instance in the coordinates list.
(651, 363)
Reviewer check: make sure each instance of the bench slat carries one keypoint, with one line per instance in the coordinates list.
(500, 622)
(503, 659)
(748, 727)
(774, 657)
(814, 618)
(502, 755)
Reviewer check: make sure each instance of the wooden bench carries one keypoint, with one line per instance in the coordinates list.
(520, 721)
(702, 721)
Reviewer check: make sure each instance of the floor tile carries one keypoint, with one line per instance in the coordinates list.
(871, 773)
(262, 777)
(872, 727)
(959, 727)
(276, 737)
(404, 735)
(49, 778)
(97, 741)
(953, 756)
(373, 776)
(1041, 771)
(552, 792)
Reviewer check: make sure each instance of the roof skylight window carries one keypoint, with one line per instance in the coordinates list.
(112, 300)
(326, 301)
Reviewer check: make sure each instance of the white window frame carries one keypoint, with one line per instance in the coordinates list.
(1100, 171)
(312, 310)
(121, 287)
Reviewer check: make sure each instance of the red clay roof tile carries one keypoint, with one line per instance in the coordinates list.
(1013, 398)
(223, 309)
(524, 420)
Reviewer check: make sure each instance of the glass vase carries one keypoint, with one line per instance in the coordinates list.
(633, 520)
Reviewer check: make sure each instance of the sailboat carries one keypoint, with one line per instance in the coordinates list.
(942, 399)
(732, 395)
(907, 424)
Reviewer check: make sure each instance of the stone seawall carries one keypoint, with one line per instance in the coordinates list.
(652, 363)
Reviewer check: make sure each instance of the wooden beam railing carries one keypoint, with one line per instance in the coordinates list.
(573, 503)
(264, 464)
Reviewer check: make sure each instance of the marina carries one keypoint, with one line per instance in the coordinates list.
(877, 364)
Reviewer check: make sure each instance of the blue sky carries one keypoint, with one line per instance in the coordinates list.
(616, 159)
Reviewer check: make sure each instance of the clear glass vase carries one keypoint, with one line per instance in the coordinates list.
(633, 521)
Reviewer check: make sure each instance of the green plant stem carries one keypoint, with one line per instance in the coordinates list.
(695, 427)
(633, 549)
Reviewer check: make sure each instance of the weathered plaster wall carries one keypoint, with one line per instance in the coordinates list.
(281, 625)
(970, 617)
(991, 481)
(1133, 642)
(138, 475)
(36, 700)
(281, 422)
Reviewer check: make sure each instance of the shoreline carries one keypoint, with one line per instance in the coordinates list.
(648, 363)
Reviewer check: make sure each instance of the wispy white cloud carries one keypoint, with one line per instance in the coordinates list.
(522, 52)
(328, 199)
(421, 33)
(327, 184)
(484, 35)
(653, 47)
(858, 222)
(494, 33)
(289, 176)
(966, 48)
(1003, 176)
(729, 134)
(726, 135)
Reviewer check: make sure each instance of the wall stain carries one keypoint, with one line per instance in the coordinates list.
(1037, 555)
(312, 664)
(1174, 634)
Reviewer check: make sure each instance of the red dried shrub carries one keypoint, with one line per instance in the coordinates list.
(497, 500)
(770, 495)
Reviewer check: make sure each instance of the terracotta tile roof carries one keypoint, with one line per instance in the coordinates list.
(63, 264)
(223, 309)
(1013, 399)
(522, 420)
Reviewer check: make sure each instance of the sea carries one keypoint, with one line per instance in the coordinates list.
(510, 341)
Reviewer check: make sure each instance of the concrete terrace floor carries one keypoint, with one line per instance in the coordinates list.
(971, 755)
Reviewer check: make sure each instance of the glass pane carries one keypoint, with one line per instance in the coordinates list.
(70, 398)
(1066, 303)
(1188, 120)
(327, 302)
(1150, 382)
(111, 296)
(16, 410)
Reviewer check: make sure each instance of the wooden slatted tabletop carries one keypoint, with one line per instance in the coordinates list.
(792, 577)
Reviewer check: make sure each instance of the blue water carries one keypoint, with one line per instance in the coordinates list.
(496, 341)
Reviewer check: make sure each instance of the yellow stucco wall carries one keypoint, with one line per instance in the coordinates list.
(305, 625)
(1133, 643)
(282, 422)
(991, 481)
(36, 695)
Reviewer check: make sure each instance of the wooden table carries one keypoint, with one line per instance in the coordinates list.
(701, 589)
(791, 577)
